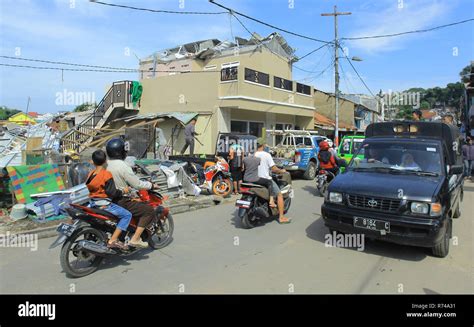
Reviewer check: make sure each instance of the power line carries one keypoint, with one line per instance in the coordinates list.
(361, 79)
(67, 63)
(106, 70)
(409, 32)
(311, 52)
(159, 11)
(68, 69)
(232, 11)
(317, 64)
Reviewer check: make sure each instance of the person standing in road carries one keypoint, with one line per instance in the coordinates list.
(236, 158)
(189, 134)
(468, 157)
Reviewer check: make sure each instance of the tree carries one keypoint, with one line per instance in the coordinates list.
(84, 107)
(464, 74)
(6, 112)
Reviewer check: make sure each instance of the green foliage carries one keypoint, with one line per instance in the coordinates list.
(6, 112)
(84, 107)
(463, 74)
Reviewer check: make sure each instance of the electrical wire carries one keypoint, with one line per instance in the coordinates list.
(234, 12)
(157, 10)
(408, 32)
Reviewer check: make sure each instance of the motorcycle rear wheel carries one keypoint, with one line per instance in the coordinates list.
(162, 238)
(248, 222)
(72, 270)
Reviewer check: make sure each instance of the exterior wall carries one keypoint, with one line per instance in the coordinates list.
(325, 105)
(220, 102)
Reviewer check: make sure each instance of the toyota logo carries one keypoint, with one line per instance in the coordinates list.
(372, 203)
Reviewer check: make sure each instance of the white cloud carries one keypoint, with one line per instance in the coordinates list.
(414, 15)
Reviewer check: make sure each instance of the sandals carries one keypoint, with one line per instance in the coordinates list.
(117, 245)
(139, 244)
(282, 222)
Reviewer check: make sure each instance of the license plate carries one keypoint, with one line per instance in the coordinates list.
(242, 203)
(66, 229)
(372, 224)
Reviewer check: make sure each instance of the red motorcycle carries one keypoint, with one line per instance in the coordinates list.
(215, 178)
(85, 240)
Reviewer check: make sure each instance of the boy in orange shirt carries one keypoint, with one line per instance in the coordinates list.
(103, 192)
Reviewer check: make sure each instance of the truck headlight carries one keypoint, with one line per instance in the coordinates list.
(335, 197)
(436, 209)
(419, 208)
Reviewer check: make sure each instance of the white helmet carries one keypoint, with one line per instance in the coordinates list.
(330, 143)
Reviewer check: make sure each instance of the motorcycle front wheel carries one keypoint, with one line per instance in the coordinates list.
(79, 263)
(222, 187)
(163, 234)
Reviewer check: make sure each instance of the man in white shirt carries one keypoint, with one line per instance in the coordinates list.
(267, 165)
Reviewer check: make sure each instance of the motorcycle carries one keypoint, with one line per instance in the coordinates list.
(323, 179)
(215, 178)
(254, 206)
(84, 242)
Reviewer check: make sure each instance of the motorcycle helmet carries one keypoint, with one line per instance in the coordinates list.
(330, 144)
(116, 149)
(323, 146)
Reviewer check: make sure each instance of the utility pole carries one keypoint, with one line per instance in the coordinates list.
(336, 69)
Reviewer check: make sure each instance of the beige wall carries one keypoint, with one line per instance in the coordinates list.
(325, 105)
(204, 93)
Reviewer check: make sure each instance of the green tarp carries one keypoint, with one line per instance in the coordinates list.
(32, 179)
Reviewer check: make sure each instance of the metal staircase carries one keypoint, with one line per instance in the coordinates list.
(116, 103)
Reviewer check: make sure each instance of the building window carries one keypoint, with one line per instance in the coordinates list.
(238, 126)
(255, 128)
(229, 74)
(246, 127)
(281, 83)
(303, 89)
(257, 77)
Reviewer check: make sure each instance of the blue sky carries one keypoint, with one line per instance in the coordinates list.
(94, 34)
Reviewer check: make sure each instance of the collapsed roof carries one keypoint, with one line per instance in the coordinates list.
(206, 49)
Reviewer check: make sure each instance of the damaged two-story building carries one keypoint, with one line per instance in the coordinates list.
(242, 86)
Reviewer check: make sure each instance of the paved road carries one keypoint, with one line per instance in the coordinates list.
(204, 258)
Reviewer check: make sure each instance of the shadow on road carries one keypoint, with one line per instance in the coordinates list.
(235, 221)
(110, 262)
(312, 190)
(317, 232)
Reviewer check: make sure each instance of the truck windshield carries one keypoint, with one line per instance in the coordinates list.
(409, 157)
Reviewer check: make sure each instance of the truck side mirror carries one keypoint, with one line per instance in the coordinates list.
(456, 169)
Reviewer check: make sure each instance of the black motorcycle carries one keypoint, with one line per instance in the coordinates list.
(254, 206)
(84, 242)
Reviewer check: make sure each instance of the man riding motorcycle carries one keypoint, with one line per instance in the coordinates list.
(124, 177)
(327, 159)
